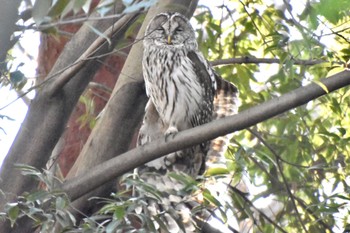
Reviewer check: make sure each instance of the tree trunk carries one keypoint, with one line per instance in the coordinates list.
(49, 112)
(8, 19)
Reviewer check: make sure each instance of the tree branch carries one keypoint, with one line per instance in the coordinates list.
(255, 60)
(235, 190)
(69, 73)
(121, 164)
(314, 216)
(8, 19)
(285, 182)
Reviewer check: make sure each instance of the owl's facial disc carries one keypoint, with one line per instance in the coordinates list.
(169, 34)
(169, 31)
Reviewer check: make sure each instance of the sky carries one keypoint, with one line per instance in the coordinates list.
(18, 109)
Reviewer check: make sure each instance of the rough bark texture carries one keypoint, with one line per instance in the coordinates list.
(48, 115)
(113, 134)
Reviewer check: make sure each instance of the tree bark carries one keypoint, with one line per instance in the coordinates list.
(8, 19)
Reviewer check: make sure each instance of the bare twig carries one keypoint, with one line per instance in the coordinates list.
(235, 190)
(302, 204)
(255, 60)
(280, 169)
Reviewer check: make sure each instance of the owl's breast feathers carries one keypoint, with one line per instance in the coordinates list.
(180, 84)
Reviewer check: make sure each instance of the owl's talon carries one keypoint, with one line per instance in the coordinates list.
(171, 131)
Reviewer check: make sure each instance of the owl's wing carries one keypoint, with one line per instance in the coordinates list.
(225, 104)
(203, 70)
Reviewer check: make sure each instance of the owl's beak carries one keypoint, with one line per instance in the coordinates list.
(169, 39)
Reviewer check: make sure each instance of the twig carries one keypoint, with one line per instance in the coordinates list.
(255, 60)
(256, 134)
(302, 204)
(235, 190)
(255, 25)
(279, 167)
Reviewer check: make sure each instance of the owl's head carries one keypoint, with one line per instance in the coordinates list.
(170, 29)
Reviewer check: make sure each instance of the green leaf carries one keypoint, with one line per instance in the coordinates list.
(28, 170)
(112, 227)
(216, 171)
(38, 196)
(335, 70)
(324, 87)
(16, 77)
(332, 10)
(119, 212)
(210, 198)
(13, 213)
(57, 9)
(61, 203)
(40, 11)
(81, 5)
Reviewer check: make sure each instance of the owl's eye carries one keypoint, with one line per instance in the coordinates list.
(178, 29)
(160, 29)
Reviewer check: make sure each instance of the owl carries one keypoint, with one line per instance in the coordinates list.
(181, 86)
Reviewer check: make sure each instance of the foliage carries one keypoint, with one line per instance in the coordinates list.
(88, 118)
(300, 157)
(44, 207)
(297, 161)
(119, 213)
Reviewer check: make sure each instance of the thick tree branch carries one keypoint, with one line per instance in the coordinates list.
(117, 166)
(8, 19)
(255, 60)
(89, 54)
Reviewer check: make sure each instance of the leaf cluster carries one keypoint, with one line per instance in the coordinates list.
(299, 159)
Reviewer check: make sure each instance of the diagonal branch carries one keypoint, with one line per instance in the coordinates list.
(8, 19)
(235, 190)
(69, 73)
(256, 60)
(315, 217)
(280, 169)
(117, 166)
